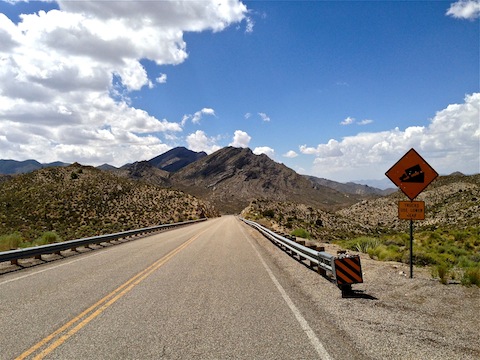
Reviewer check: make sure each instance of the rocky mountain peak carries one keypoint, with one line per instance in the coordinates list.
(232, 177)
(176, 159)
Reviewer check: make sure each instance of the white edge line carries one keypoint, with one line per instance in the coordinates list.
(49, 268)
(322, 352)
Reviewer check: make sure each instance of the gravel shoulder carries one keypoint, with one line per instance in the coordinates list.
(393, 317)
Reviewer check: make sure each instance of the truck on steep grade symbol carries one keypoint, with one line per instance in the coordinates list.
(413, 174)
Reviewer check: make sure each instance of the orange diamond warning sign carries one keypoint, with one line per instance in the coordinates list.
(411, 174)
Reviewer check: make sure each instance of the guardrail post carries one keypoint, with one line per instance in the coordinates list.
(320, 269)
(300, 242)
(313, 247)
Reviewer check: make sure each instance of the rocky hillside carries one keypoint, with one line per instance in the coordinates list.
(146, 172)
(232, 177)
(285, 217)
(176, 159)
(451, 202)
(78, 201)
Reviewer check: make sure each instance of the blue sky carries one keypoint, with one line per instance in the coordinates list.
(335, 89)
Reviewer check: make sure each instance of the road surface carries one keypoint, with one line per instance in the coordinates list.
(210, 290)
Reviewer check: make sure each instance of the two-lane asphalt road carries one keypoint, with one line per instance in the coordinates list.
(206, 291)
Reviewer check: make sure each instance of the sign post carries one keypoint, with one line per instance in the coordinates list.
(411, 174)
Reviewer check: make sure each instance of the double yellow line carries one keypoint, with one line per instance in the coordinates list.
(59, 336)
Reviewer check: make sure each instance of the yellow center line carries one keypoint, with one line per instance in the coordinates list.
(99, 306)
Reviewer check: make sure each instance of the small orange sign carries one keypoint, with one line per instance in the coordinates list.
(411, 174)
(411, 210)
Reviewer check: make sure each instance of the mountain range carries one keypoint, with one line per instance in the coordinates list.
(80, 200)
(10, 167)
(230, 178)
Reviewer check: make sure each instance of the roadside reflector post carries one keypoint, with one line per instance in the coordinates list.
(347, 270)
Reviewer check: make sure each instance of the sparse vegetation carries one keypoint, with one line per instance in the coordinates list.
(75, 201)
(269, 213)
(471, 276)
(10, 241)
(301, 233)
(448, 240)
(442, 272)
(48, 237)
(449, 252)
(16, 240)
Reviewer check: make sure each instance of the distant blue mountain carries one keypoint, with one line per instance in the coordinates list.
(384, 184)
(11, 167)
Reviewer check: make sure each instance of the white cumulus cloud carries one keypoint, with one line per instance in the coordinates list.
(348, 121)
(365, 122)
(199, 114)
(199, 141)
(240, 139)
(74, 68)
(264, 117)
(265, 150)
(162, 79)
(290, 154)
(449, 143)
(465, 9)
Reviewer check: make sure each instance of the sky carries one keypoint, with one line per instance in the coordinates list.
(335, 89)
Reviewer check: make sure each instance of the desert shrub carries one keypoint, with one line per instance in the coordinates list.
(301, 233)
(396, 239)
(48, 237)
(460, 235)
(435, 236)
(471, 276)
(384, 253)
(363, 244)
(268, 213)
(11, 241)
(442, 272)
(423, 258)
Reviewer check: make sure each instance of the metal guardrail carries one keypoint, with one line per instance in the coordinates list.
(38, 251)
(345, 269)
